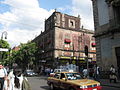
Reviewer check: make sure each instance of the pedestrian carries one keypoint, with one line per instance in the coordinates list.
(85, 72)
(81, 69)
(14, 80)
(96, 72)
(3, 76)
(113, 76)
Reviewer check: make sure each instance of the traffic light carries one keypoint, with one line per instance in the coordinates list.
(86, 50)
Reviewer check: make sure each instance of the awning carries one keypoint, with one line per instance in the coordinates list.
(93, 44)
(67, 40)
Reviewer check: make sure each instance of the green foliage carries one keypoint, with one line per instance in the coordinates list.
(4, 55)
(26, 56)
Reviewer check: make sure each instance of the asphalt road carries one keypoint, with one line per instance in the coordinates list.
(40, 83)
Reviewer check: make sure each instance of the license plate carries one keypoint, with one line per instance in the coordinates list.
(95, 89)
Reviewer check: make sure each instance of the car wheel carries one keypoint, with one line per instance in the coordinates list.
(71, 89)
(52, 87)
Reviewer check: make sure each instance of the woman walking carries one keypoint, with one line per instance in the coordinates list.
(14, 80)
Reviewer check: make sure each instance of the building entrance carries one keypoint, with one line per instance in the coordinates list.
(117, 50)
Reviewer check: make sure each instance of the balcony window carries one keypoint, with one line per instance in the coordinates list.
(71, 23)
(115, 22)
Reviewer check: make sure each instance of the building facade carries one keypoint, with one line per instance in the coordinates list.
(107, 32)
(63, 41)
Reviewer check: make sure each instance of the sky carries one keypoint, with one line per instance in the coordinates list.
(23, 20)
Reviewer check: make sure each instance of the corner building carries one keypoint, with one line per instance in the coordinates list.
(63, 41)
(107, 33)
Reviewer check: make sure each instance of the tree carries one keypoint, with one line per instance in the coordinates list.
(4, 55)
(26, 56)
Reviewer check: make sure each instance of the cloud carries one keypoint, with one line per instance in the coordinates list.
(24, 20)
(21, 36)
(84, 9)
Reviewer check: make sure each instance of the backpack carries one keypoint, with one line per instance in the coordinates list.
(25, 84)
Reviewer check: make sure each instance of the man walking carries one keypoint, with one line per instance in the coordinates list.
(96, 72)
(3, 76)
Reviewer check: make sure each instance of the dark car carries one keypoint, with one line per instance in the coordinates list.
(30, 73)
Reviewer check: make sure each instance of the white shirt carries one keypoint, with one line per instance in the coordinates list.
(112, 70)
(85, 72)
(11, 78)
(3, 72)
(98, 70)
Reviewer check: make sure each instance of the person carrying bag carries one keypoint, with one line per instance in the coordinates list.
(25, 84)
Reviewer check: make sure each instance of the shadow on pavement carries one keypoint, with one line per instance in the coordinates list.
(45, 87)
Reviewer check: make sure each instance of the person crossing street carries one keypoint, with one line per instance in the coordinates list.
(3, 76)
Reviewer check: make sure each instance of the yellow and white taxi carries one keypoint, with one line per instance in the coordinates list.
(72, 81)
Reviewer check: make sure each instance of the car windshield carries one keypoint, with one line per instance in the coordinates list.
(30, 71)
(58, 70)
(74, 76)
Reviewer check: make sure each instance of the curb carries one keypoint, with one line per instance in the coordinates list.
(110, 86)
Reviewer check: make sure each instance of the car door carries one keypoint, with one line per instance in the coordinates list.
(56, 80)
(63, 81)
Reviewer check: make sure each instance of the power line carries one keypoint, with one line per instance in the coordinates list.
(19, 23)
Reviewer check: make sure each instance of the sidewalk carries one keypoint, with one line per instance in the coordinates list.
(106, 82)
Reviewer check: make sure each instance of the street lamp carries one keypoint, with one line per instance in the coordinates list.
(2, 36)
(4, 33)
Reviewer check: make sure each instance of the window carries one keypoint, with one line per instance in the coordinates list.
(62, 75)
(57, 75)
(71, 23)
(117, 14)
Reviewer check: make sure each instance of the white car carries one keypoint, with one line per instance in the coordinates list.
(56, 71)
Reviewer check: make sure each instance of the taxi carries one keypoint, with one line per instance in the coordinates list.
(72, 81)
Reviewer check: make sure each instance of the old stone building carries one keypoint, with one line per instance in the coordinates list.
(63, 41)
(107, 32)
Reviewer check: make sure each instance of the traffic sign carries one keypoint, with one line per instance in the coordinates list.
(4, 49)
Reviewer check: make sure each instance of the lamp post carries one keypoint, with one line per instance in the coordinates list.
(2, 36)
(4, 33)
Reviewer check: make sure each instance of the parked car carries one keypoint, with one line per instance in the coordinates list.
(56, 71)
(30, 73)
(72, 81)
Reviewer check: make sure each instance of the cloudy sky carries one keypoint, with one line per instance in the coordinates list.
(23, 20)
